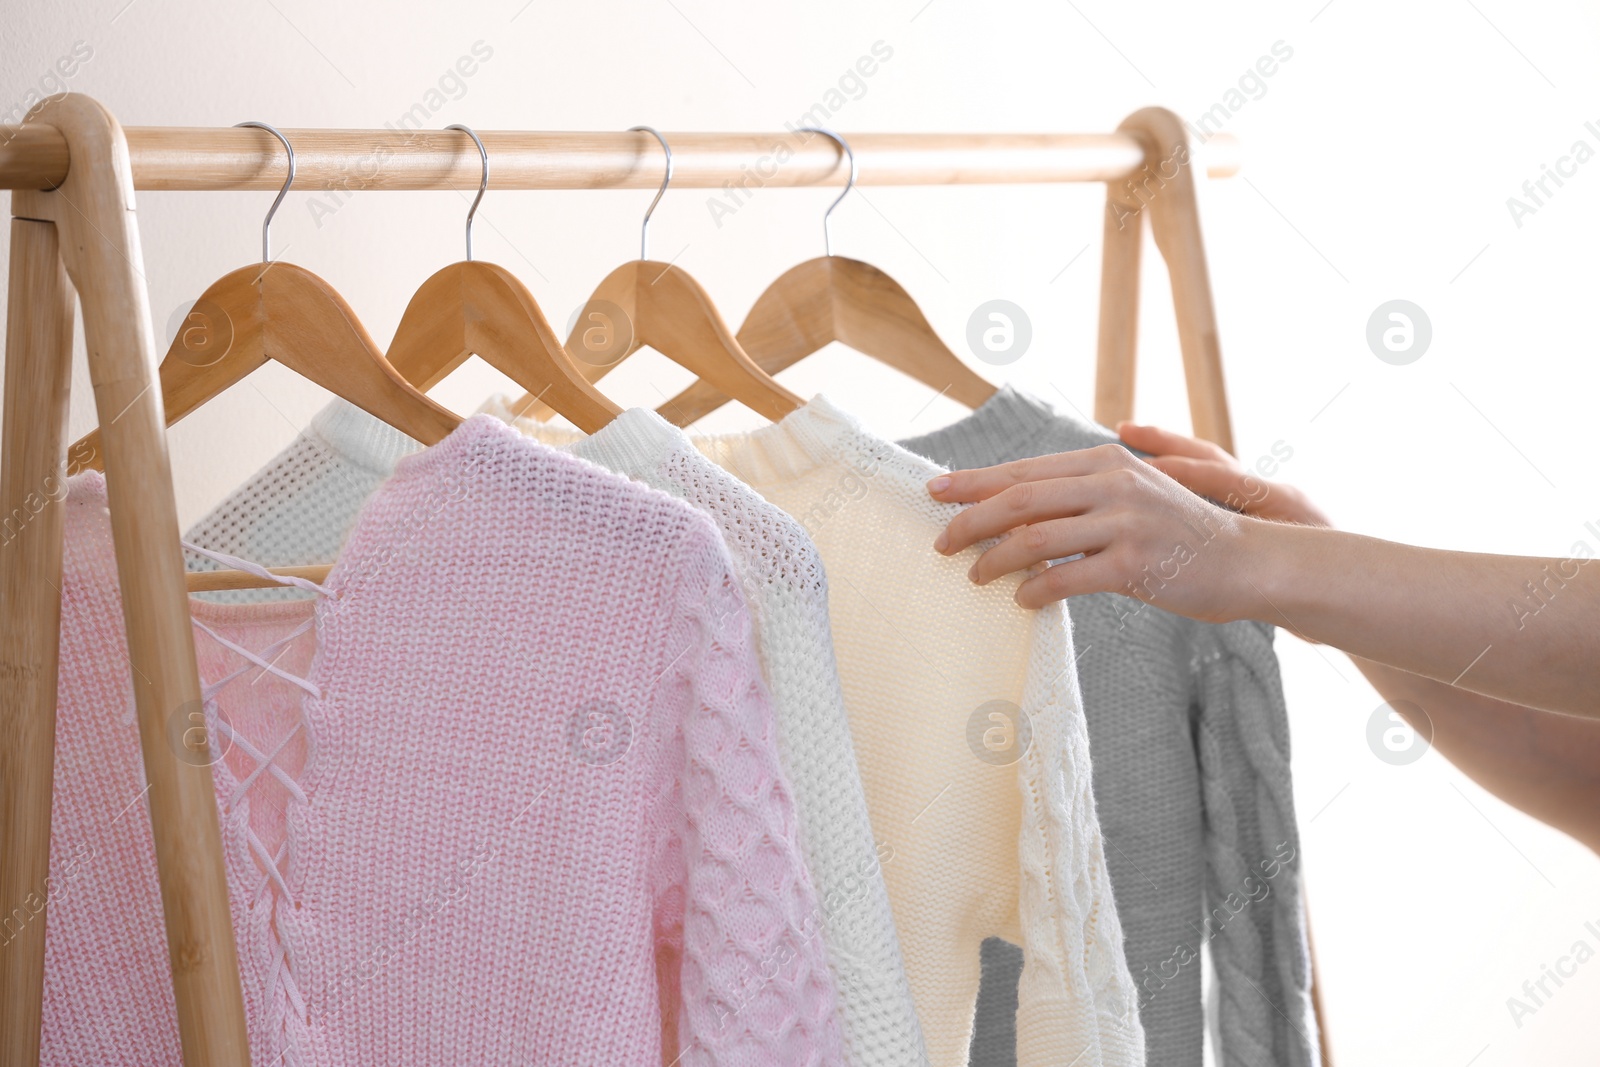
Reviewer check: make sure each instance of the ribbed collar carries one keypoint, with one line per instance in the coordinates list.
(811, 436)
(360, 438)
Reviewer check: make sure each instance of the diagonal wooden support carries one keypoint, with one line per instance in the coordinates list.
(1164, 190)
(91, 214)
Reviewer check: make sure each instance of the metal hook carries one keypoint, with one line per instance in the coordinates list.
(644, 227)
(483, 182)
(827, 237)
(266, 224)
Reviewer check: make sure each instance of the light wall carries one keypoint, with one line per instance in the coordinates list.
(1380, 158)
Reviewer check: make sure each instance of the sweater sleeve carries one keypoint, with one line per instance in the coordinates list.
(878, 1018)
(752, 981)
(1254, 917)
(1076, 998)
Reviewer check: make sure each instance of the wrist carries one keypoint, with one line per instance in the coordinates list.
(1264, 567)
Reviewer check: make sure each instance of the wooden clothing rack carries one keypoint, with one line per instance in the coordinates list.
(73, 171)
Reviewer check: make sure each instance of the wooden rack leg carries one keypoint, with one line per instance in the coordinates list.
(1116, 364)
(1166, 186)
(1164, 189)
(32, 489)
(93, 210)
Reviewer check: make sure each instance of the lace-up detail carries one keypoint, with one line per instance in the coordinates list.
(271, 853)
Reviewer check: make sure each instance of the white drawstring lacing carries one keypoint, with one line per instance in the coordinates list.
(280, 978)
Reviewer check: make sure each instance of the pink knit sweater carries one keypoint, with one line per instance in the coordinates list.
(506, 793)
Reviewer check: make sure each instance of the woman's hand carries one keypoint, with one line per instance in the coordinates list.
(1522, 629)
(1140, 533)
(1209, 470)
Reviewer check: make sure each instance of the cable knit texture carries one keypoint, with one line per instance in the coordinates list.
(787, 591)
(530, 809)
(1191, 773)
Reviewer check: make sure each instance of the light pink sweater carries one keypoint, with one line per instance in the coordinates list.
(508, 793)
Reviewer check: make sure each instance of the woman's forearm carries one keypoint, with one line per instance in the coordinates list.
(1522, 629)
(1541, 762)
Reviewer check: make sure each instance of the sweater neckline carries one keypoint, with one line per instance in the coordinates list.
(638, 441)
(635, 443)
(360, 438)
(813, 435)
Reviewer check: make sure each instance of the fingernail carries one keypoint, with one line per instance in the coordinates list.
(972, 575)
(941, 542)
(939, 484)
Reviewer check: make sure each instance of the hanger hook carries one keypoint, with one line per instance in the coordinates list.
(827, 236)
(266, 223)
(666, 180)
(483, 182)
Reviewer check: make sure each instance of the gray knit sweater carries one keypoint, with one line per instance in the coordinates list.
(1190, 741)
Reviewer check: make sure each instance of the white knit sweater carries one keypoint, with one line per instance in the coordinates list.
(299, 508)
(787, 592)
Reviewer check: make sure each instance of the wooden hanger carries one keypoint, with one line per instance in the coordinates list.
(832, 298)
(280, 312)
(478, 308)
(658, 304)
(283, 313)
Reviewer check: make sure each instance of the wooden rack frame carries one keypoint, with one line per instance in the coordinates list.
(74, 170)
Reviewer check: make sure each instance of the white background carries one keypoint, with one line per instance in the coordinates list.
(1379, 161)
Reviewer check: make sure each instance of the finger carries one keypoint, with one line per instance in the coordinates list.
(1161, 442)
(1209, 478)
(1040, 543)
(1096, 573)
(1020, 505)
(981, 483)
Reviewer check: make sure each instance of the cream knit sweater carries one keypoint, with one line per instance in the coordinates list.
(972, 746)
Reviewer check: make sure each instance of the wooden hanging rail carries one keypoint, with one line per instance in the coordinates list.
(34, 156)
